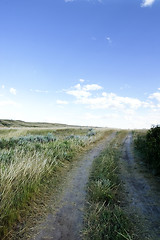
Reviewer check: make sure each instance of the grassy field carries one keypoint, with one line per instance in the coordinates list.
(31, 159)
(104, 217)
(34, 159)
(19, 124)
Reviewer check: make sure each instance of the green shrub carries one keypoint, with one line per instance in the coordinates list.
(149, 146)
(91, 133)
(13, 142)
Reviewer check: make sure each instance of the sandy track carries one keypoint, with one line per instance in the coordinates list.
(67, 221)
(142, 193)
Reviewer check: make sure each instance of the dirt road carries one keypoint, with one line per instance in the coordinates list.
(67, 220)
(142, 193)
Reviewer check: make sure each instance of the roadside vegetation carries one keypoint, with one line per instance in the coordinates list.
(29, 163)
(148, 146)
(104, 218)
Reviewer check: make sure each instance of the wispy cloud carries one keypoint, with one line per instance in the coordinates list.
(79, 93)
(13, 91)
(109, 40)
(126, 86)
(92, 87)
(39, 91)
(8, 102)
(90, 1)
(147, 3)
(61, 102)
(69, 1)
(3, 86)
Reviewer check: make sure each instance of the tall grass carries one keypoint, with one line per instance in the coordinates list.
(9, 133)
(28, 164)
(25, 169)
(104, 218)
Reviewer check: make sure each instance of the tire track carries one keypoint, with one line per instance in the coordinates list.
(142, 192)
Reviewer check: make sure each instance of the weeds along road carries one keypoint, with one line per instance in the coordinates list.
(67, 220)
(142, 193)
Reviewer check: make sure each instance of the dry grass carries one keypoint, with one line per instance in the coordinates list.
(29, 168)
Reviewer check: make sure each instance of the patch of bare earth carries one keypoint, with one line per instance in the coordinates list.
(141, 200)
(65, 219)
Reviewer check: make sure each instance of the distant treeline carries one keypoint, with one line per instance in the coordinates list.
(149, 147)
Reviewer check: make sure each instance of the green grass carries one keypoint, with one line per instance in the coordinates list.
(104, 217)
(18, 123)
(26, 168)
(29, 167)
(60, 132)
(147, 145)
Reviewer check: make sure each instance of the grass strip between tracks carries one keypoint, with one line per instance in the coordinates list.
(104, 218)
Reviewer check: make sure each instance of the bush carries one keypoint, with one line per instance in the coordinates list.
(149, 146)
(91, 133)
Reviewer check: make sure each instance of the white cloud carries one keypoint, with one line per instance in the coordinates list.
(92, 87)
(100, 1)
(79, 91)
(104, 94)
(109, 39)
(13, 91)
(78, 86)
(147, 3)
(111, 100)
(126, 86)
(39, 91)
(69, 1)
(122, 119)
(8, 102)
(3, 86)
(96, 107)
(81, 80)
(61, 102)
(155, 95)
(106, 100)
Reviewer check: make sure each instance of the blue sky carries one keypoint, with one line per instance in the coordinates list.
(85, 62)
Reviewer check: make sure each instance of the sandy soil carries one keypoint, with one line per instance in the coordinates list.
(142, 193)
(66, 221)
